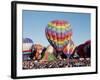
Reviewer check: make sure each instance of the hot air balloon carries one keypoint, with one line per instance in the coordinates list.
(69, 49)
(58, 33)
(36, 51)
(49, 54)
(27, 44)
(84, 50)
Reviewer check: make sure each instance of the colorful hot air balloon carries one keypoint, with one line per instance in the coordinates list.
(26, 48)
(27, 44)
(68, 49)
(58, 33)
(49, 54)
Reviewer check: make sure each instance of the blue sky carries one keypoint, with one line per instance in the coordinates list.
(34, 23)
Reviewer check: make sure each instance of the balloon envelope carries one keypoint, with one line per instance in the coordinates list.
(58, 33)
(68, 49)
(27, 44)
(27, 40)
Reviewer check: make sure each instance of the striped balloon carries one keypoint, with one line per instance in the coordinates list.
(58, 33)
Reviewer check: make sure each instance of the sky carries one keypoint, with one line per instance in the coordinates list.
(35, 22)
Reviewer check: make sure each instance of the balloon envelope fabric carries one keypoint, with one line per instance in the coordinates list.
(58, 33)
(27, 40)
(68, 50)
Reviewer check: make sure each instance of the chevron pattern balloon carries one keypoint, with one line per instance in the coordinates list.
(58, 33)
(68, 49)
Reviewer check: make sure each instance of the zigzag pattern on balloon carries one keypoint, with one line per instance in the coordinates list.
(69, 48)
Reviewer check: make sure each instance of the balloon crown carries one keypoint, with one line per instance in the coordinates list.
(27, 40)
(59, 22)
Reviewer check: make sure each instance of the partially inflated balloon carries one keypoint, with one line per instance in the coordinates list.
(58, 33)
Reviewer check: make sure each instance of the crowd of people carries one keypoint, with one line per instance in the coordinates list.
(63, 63)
